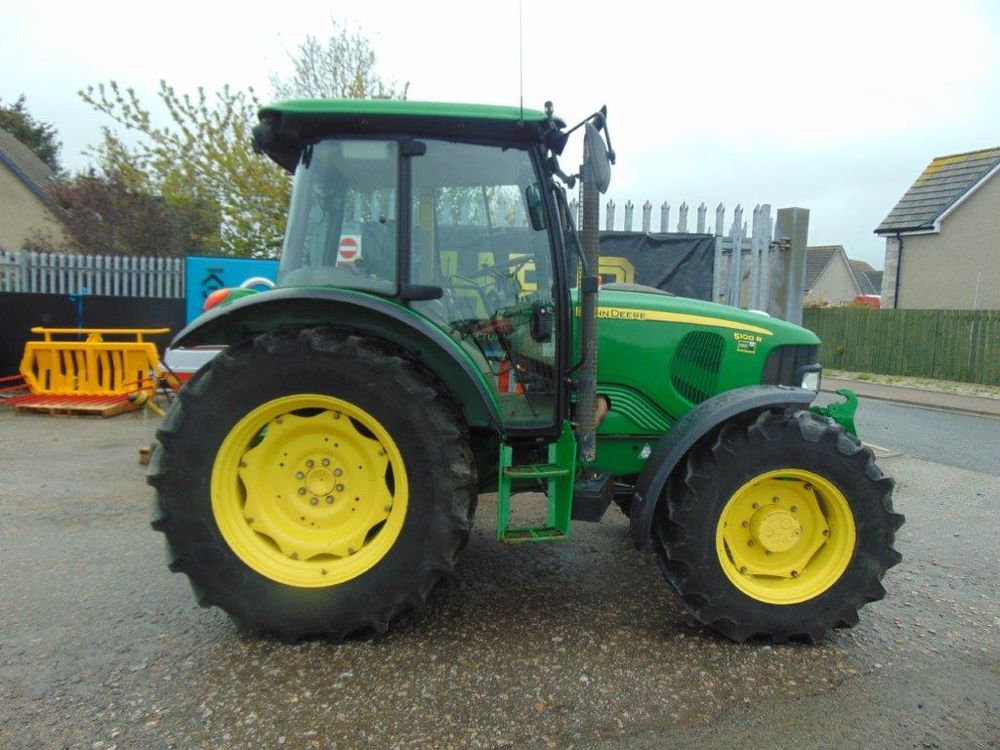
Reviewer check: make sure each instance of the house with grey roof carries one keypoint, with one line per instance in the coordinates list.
(830, 277)
(869, 280)
(942, 239)
(28, 208)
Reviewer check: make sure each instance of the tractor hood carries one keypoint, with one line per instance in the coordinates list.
(648, 306)
(660, 355)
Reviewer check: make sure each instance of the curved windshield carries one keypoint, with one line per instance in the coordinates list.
(343, 217)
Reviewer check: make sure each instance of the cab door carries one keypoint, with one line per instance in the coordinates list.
(472, 235)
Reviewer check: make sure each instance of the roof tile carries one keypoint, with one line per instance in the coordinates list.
(939, 186)
(31, 170)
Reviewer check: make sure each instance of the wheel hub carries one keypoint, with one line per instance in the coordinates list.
(309, 490)
(785, 536)
(320, 482)
(775, 528)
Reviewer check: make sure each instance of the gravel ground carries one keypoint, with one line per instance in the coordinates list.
(577, 645)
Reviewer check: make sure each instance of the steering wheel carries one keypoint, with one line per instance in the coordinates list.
(513, 264)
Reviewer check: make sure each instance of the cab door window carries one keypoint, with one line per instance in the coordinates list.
(472, 236)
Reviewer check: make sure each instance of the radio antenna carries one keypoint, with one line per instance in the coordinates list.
(520, 52)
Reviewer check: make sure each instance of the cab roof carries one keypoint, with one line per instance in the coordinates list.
(295, 123)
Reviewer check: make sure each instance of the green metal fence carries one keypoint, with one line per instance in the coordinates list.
(946, 344)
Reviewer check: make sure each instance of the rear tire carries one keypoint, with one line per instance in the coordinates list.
(310, 481)
(780, 526)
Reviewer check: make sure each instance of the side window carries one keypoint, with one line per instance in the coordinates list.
(343, 219)
(471, 235)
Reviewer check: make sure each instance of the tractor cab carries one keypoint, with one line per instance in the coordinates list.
(458, 219)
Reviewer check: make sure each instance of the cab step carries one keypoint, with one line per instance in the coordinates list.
(558, 474)
(536, 471)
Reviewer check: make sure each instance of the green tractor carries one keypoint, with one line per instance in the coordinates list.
(434, 334)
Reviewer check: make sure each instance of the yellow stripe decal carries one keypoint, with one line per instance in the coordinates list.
(625, 313)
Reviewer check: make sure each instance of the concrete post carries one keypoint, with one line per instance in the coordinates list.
(788, 284)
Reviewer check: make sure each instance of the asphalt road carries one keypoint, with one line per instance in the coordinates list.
(548, 646)
(963, 440)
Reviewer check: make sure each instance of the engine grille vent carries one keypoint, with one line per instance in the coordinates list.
(694, 372)
(783, 361)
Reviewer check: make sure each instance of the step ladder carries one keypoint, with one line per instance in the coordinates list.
(559, 475)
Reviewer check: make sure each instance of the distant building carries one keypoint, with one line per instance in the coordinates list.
(869, 280)
(942, 239)
(831, 278)
(28, 209)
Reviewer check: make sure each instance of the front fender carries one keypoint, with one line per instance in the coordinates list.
(366, 313)
(688, 430)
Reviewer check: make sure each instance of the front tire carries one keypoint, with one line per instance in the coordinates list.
(780, 526)
(310, 481)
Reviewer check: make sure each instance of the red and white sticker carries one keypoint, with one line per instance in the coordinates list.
(349, 250)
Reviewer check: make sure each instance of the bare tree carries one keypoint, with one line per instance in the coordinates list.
(342, 67)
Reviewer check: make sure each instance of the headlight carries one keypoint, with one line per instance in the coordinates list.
(811, 380)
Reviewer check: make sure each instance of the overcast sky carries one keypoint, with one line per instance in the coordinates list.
(836, 107)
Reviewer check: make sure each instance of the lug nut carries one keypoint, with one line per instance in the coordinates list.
(756, 505)
(310, 463)
(338, 472)
(795, 509)
(302, 490)
(329, 500)
(795, 574)
(340, 488)
(314, 501)
(299, 475)
(745, 524)
(774, 499)
(743, 569)
(750, 543)
(826, 532)
(326, 461)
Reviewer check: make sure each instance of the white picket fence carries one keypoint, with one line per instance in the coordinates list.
(742, 278)
(118, 276)
(750, 270)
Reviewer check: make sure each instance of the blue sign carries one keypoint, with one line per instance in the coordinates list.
(203, 275)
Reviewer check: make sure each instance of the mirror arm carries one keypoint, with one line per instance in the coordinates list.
(607, 138)
(552, 164)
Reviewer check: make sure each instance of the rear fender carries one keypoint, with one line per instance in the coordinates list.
(365, 313)
(691, 428)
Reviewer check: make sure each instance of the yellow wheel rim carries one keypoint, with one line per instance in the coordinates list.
(309, 490)
(785, 536)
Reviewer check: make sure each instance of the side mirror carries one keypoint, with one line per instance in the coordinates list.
(596, 162)
(536, 206)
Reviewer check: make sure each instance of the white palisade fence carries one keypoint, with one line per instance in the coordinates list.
(109, 275)
(747, 261)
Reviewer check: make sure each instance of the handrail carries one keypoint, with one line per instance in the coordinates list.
(137, 332)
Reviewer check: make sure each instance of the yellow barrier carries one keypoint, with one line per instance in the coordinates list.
(92, 367)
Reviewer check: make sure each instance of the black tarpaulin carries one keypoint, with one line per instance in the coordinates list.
(677, 263)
